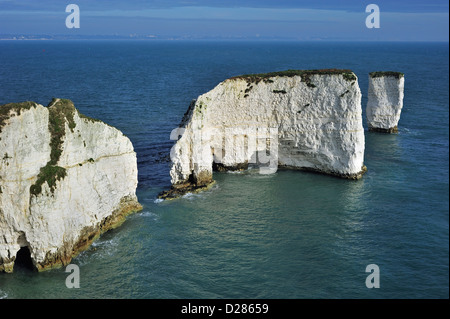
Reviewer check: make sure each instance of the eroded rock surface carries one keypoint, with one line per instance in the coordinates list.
(296, 119)
(64, 179)
(385, 101)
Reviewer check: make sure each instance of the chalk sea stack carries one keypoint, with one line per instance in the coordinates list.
(64, 179)
(385, 101)
(300, 119)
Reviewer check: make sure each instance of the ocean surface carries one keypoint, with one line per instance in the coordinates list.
(287, 235)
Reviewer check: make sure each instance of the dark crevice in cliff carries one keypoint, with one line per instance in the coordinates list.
(23, 260)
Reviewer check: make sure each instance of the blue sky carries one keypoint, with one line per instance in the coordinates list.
(400, 20)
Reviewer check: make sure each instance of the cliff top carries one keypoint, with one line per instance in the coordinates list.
(348, 74)
(60, 112)
(17, 107)
(378, 74)
(63, 106)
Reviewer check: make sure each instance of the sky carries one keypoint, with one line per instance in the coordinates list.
(335, 20)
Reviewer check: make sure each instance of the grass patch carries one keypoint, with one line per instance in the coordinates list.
(60, 111)
(304, 74)
(378, 74)
(48, 174)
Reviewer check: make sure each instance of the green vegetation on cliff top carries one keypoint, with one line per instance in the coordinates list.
(304, 74)
(394, 74)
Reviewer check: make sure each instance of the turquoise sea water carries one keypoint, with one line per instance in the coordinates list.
(286, 235)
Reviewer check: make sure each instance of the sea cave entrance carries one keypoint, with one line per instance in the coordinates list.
(23, 260)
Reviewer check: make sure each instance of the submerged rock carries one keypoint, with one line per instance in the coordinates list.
(64, 179)
(385, 101)
(308, 120)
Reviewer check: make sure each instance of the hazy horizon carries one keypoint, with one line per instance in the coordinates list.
(292, 20)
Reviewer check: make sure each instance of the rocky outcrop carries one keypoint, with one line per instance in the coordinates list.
(308, 120)
(64, 179)
(385, 101)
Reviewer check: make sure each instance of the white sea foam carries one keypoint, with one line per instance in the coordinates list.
(256, 175)
(202, 194)
(192, 196)
(99, 249)
(409, 131)
(149, 215)
(105, 243)
(3, 295)
(158, 200)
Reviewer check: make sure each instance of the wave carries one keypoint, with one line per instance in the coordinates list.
(105, 243)
(98, 250)
(149, 215)
(201, 194)
(191, 196)
(409, 131)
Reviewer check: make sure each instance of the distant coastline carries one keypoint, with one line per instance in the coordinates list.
(46, 37)
(153, 37)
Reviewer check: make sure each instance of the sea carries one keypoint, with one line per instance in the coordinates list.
(288, 235)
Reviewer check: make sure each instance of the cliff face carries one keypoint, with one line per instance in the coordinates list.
(64, 179)
(296, 119)
(385, 101)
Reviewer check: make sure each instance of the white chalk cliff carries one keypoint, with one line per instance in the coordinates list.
(64, 179)
(385, 101)
(296, 119)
